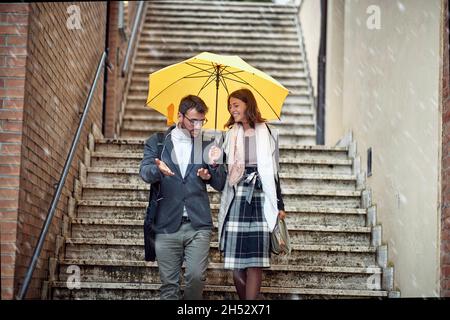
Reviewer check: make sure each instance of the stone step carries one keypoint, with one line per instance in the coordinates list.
(134, 108)
(267, 66)
(312, 181)
(226, 46)
(244, 28)
(222, 37)
(121, 146)
(251, 58)
(317, 198)
(291, 122)
(151, 116)
(97, 209)
(187, 12)
(221, 6)
(144, 123)
(280, 276)
(296, 215)
(288, 165)
(301, 254)
(309, 139)
(299, 234)
(225, 21)
(147, 291)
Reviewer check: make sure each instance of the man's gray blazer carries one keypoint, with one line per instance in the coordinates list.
(176, 191)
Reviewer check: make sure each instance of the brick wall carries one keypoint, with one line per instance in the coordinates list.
(117, 49)
(60, 67)
(445, 167)
(13, 51)
(116, 84)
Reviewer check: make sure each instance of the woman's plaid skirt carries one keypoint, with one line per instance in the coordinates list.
(246, 232)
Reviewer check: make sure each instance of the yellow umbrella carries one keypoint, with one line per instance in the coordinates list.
(213, 77)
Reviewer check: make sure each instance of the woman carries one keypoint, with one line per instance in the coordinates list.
(251, 199)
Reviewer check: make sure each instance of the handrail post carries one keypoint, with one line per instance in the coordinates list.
(51, 212)
(322, 59)
(137, 19)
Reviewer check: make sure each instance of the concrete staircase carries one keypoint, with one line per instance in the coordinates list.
(337, 250)
(264, 35)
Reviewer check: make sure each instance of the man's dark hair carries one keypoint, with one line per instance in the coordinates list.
(190, 102)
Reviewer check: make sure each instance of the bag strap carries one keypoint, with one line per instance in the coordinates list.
(155, 187)
(160, 141)
(268, 128)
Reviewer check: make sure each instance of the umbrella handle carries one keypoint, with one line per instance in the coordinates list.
(217, 137)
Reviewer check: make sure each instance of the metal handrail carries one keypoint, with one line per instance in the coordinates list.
(137, 19)
(51, 212)
(321, 74)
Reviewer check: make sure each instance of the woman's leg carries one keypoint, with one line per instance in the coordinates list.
(240, 280)
(253, 286)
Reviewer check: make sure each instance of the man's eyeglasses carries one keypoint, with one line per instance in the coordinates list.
(196, 122)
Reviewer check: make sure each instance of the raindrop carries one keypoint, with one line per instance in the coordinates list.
(401, 6)
(403, 199)
(422, 105)
(46, 151)
(414, 281)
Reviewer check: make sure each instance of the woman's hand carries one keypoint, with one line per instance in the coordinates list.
(281, 214)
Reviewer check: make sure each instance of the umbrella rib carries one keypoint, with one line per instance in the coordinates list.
(207, 82)
(199, 63)
(207, 69)
(195, 77)
(184, 77)
(211, 74)
(222, 80)
(233, 72)
(240, 81)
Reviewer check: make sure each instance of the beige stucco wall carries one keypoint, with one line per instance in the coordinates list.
(310, 24)
(389, 79)
(334, 78)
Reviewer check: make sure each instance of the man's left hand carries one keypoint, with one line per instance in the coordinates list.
(204, 174)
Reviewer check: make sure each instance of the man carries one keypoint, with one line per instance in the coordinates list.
(183, 220)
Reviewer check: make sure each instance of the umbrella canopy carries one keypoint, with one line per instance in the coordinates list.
(213, 77)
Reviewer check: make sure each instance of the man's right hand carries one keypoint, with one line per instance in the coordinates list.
(164, 168)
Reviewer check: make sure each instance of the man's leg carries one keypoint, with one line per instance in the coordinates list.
(196, 259)
(169, 254)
